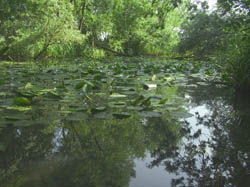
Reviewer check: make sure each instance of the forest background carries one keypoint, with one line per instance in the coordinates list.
(31, 29)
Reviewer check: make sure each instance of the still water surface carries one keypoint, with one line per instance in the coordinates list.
(118, 133)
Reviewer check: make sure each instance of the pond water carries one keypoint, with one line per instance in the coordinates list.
(121, 123)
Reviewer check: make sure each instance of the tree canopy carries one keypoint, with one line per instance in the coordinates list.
(32, 29)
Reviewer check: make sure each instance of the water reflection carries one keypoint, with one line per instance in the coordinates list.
(221, 159)
(81, 153)
(210, 149)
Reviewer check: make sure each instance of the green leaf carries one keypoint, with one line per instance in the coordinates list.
(98, 109)
(53, 95)
(28, 86)
(182, 114)
(1, 81)
(116, 95)
(11, 118)
(149, 114)
(122, 115)
(19, 108)
(82, 83)
(163, 101)
(22, 101)
(2, 147)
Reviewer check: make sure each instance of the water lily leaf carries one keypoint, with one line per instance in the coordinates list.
(117, 104)
(77, 108)
(11, 118)
(182, 114)
(22, 101)
(85, 88)
(145, 86)
(121, 115)
(99, 77)
(152, 86)
(82, 83)
(26, 93)
(3, 94)
(103, 115)
(24, 123)
(19, 108)
(2, 147)
(61, 86)
(116, 95)
(163, 101)
(154, 77)
(146, 102)
(1, 81)
(202, 83)
(77, 116)
(97, 109)
(149, 114)
(137, 108)
(28, 86)
(138, 100)
(53, 95)
(192, 86)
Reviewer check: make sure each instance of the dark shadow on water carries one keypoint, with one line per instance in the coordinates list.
(223, 158)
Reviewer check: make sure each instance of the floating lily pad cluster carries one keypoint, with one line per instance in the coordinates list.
(35, 93)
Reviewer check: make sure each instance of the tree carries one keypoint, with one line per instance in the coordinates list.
(202, 34)
(236, 58)
(36, 28)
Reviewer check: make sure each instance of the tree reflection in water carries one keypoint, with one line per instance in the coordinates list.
(93, 152)
(223, 159)
(89, 153)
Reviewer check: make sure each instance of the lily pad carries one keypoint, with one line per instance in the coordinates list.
(11, 118)
(1, 81)
(53, 95)
(121, 115)
(2, 147)
(182, 114)
(97, 109)
(22, 101)
(28, 86)
(19, 108)
(82, 83)
(77, 116)
(116, 95)
(150, 114)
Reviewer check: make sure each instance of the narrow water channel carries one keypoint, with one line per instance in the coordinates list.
(102, 128)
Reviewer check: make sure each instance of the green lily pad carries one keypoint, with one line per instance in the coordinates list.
(82, 83)
(150, 114)
(53, 95)
(136, 108)
(182, 114)
(28, 86)
(116, 95)
(27, 93)
(163, 101)
(12, 118)
(97, 109)
(22, 101)
(77, 116)
(2, 147)
(19, 108)
(121, 115)
(1, 81)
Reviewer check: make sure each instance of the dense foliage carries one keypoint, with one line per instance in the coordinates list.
(224, 35)
(46, 28)
(61, 28)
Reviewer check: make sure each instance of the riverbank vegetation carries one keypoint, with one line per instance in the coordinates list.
(32, 29)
